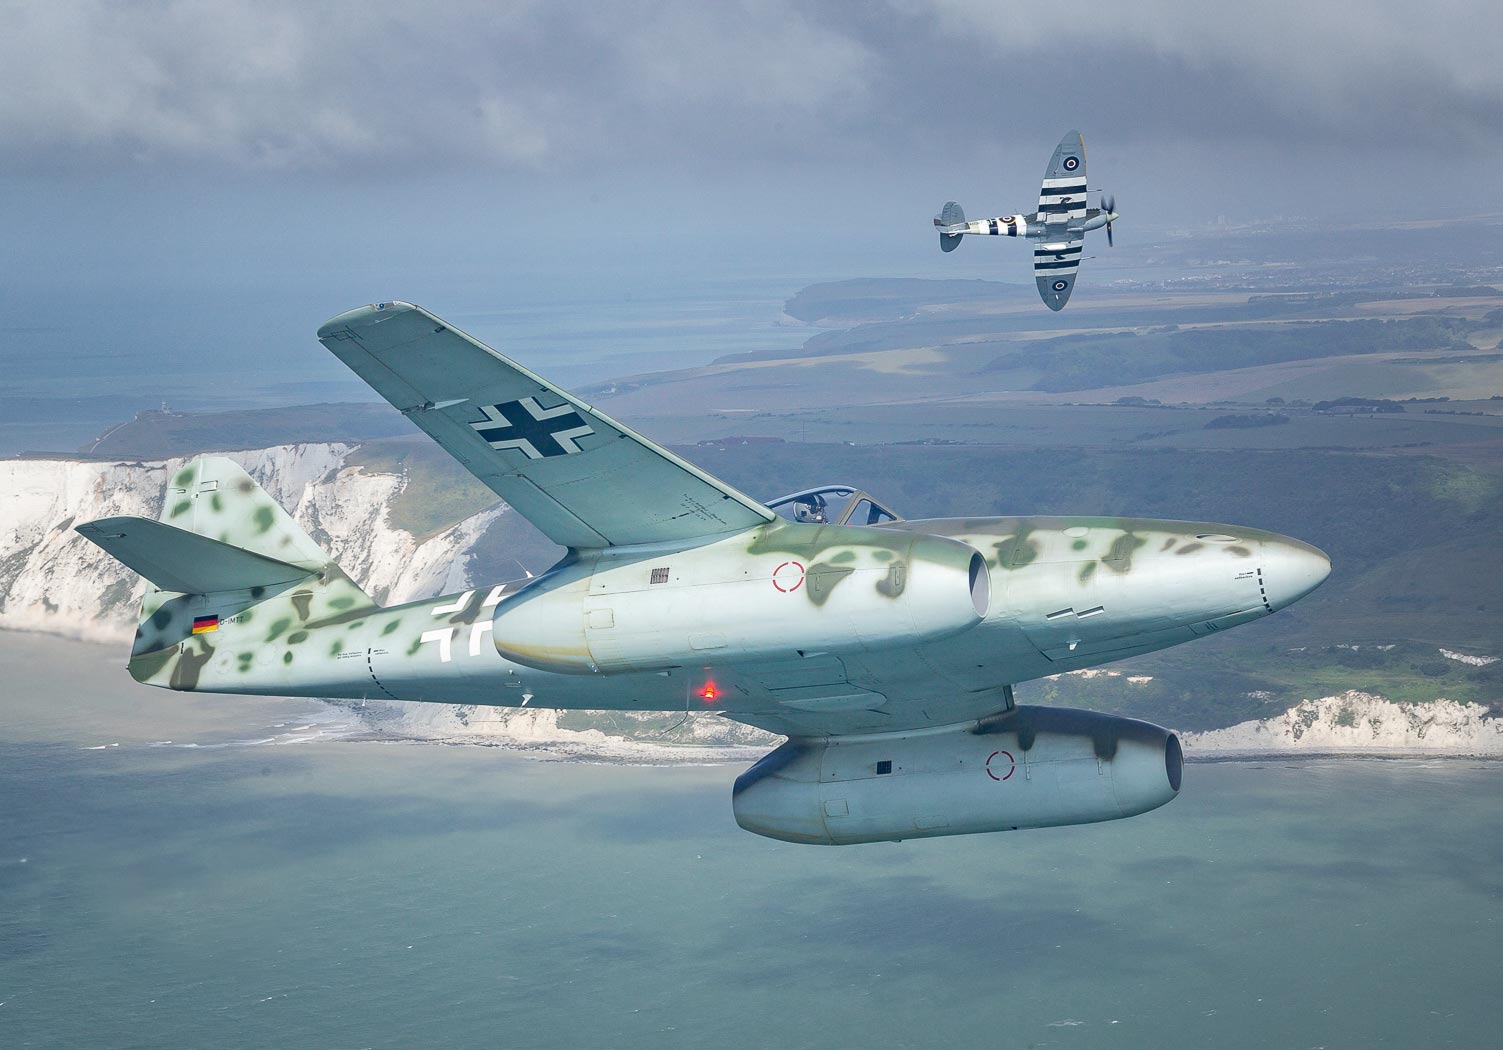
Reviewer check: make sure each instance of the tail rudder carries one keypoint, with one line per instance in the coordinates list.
(950, 215)
(223, 556)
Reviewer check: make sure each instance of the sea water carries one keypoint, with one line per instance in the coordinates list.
(192, 871)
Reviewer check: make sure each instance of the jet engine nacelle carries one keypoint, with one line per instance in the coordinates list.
(779, 593)
(1033, 767)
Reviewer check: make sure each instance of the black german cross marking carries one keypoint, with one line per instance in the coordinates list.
(536, 431)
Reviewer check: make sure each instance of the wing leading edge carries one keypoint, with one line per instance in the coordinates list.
(582, 478)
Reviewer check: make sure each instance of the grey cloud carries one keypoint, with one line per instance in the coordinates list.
(281, 84)
(566, 87)
(1380, 72)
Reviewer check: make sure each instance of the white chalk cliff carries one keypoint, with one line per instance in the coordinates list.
(54, 581)
(1356, 721)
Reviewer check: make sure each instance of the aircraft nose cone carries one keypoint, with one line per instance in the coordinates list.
(1291, 570)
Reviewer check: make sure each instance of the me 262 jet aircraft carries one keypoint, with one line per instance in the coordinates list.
(1058, 227)
(885, 649)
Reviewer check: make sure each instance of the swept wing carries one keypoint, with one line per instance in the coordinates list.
(582, 478)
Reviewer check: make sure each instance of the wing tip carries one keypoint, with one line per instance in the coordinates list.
(364, 316)
(102, 528)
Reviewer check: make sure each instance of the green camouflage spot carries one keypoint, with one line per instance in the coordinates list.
(1167, 544)
(1078, 545)
(1018, 551)
(896, 579)
(843, 557)
(149, 665)
(245, 660)
(217, 502)
(161, 618)
(414, 647)
(391, 626)
(1241, 552)
(341, 603)
(278, 627)
(181, 507)
(883, 555)
(821, 581)
(184, 478)
(287, 657)
(1119, 557)
(337, 647)
(297, 637)
(1190, 548)
(302, 601)
(264, 518)
(1087, 571)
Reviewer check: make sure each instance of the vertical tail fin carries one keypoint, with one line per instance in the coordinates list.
(223, 553)
(951, 214)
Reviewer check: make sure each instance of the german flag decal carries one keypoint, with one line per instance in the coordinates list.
(205, 624)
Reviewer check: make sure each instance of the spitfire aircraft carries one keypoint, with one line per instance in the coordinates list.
(885, 649)
(1059, 226)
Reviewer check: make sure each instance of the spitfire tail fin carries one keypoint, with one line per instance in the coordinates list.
(951, 214)
(223, 552)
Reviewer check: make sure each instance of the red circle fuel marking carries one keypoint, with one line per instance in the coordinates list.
(788, 577)
(1011, 765)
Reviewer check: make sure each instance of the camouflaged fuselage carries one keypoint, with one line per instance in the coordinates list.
(866, 628)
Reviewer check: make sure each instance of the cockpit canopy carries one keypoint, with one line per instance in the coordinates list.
(832, 505)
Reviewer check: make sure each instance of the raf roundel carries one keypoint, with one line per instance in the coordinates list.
(1060, 286)
(1071, 163)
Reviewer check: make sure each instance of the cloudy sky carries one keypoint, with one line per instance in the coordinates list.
(751, 89)
(336, 147)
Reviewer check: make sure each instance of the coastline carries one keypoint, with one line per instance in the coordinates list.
(1346, 726)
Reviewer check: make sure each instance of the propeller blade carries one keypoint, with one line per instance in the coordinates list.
(1109, 243)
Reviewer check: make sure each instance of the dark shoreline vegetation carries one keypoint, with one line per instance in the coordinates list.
(1081, 362)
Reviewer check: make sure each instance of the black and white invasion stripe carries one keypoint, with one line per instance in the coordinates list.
(1063, 196)
(1057, 260)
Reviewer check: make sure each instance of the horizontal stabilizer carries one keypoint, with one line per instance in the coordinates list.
(177, 560)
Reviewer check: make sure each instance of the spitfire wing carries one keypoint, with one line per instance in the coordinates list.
(1063, 196)
(1055, 263)
(582, 478)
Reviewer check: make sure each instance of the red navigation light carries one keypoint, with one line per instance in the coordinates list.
(708, 692)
